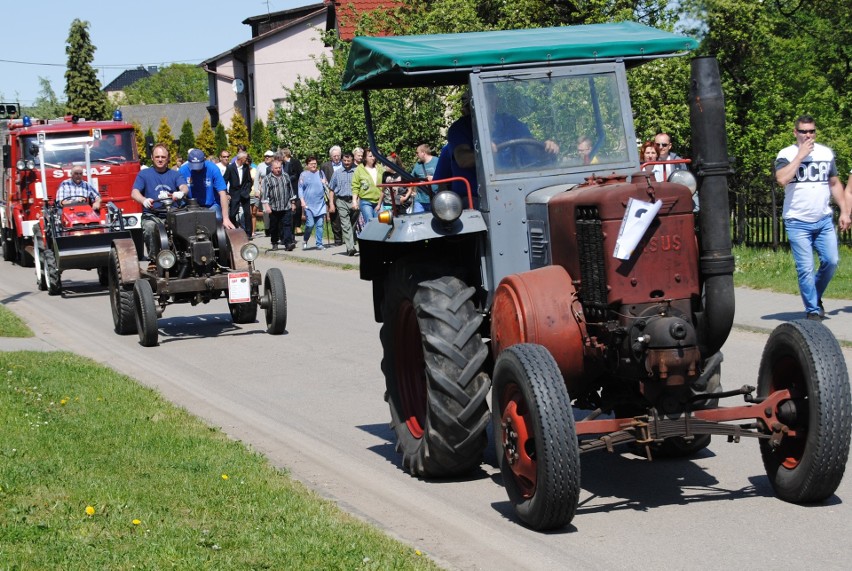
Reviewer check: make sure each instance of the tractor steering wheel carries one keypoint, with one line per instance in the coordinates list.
(537, 157)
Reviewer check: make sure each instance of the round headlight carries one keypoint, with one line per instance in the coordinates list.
(685, 178)
(31, 164)
(249, 252)
(21, 165)
(166, 259)
(447, 206)
(131, 221)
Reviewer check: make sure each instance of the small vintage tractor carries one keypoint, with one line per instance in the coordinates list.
(587, 297)
(199, 260)
(74, 237)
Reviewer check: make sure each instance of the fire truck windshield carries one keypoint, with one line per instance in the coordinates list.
(62, 149)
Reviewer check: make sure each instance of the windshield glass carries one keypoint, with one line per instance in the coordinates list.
(555, 122)
(62, 149)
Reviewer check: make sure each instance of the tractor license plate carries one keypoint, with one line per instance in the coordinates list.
(239, 287)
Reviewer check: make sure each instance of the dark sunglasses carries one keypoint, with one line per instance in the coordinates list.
(663, 144)
(806, 131)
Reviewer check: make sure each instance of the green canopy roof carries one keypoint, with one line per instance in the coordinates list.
(447, 59)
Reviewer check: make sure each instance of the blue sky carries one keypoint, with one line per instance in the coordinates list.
(126, 35)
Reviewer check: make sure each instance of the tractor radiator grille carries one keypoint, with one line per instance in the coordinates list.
(593, 292)
(539, 245)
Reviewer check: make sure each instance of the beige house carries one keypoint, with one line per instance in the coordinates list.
(251, 76)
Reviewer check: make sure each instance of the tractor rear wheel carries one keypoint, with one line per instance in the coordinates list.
(804, 358)
(146, 313)
(432, 361)
(51, 272)
(41, 281)
(276, 301)
(120, 298)
(535, 437)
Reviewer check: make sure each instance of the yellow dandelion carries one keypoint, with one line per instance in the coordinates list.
(63, 402)
(224, 476)
(136, 522)
(418, 552)
(90, 510)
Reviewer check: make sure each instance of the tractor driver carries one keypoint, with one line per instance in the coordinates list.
(151, 186)
(75, 190)
(504, 128)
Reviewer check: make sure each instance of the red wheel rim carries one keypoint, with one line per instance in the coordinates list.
(410, 369)
(787, 374)
(518, 440)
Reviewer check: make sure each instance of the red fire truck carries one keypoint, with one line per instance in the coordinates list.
(39, 154)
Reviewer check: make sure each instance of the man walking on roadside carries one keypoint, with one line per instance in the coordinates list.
(278, 201)
(808, 174)
(341, 202)
(328, 168)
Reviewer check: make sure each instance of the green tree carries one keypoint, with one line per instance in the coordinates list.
(140, 142)
(259, 139)
(46, 104)
(147, 141)
(82, 87)
(221, 138)
(187, 138)
(238, 133)
(206, 140)
(164, 136)
(175, 83)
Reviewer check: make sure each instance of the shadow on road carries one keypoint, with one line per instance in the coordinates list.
(202, 326)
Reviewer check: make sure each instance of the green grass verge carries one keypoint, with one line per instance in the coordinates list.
(97, 472)
(775, 271)
(11, 325)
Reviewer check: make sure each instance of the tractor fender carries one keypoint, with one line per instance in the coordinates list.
(541, 306)
(128, 260)
(418, 227)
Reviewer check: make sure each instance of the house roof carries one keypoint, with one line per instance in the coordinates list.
(347, 10)
(175, 114)
(304, 17)
(126, 78)
(265, 22)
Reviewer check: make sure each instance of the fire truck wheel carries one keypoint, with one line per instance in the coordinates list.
(243, 312)
(432, 361)
(103, 275)
(276, 301)
(51, 272)
(25, 260)
(9, 253)
(804, 358)
(535, 437)
(120, 298)
(146, 313)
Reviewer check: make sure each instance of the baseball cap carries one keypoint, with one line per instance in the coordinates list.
(268, 154)
(196, 159)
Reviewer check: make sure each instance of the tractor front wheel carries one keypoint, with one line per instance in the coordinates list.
(535, 437)
(804, 358)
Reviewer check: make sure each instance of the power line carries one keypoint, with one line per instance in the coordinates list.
(104, 66)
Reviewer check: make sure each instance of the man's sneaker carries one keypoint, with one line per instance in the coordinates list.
(304, 245)
(274, 247)
(320, 247)
(814, 317)
(821, 310)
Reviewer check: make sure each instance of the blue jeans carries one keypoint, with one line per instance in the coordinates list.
(421, 207)
(217, 208)
(805, 237)
(312, 220)
(368, 210)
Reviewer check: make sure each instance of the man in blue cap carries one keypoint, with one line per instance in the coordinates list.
(206, 184)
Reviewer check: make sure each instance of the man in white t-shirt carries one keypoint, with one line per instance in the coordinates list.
(808, 174)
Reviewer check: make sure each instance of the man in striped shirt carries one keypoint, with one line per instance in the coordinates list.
(278, 201)
(75, 190)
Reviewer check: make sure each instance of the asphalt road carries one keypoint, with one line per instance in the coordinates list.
(311, 401)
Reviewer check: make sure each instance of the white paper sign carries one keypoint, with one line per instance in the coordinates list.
(637, 219)
(239, 287)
